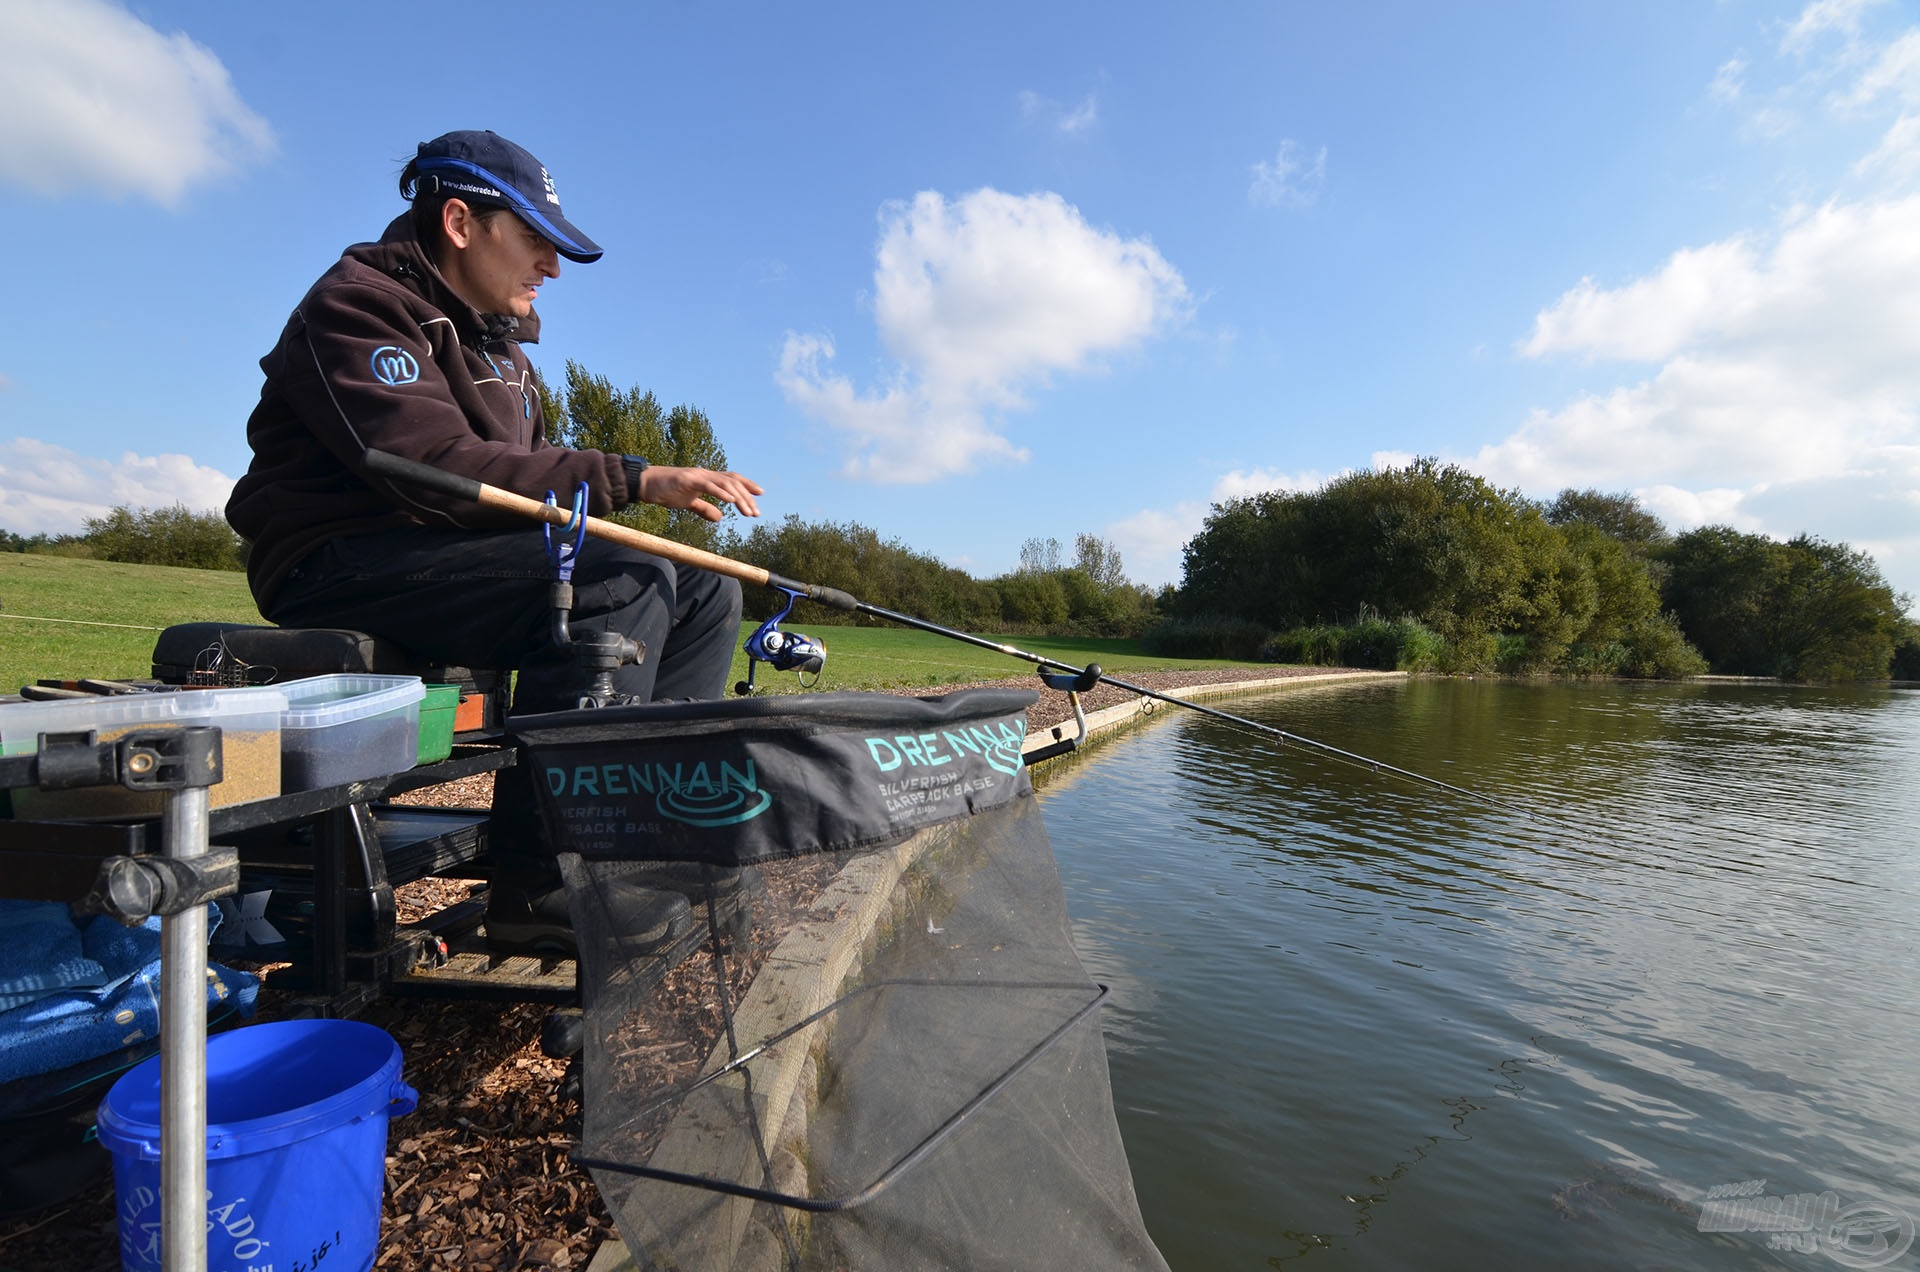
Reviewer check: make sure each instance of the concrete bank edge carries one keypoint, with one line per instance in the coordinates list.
(1127, 713)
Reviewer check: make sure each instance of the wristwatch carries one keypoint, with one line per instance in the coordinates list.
(634, 466)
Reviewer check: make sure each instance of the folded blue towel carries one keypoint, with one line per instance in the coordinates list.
(67, 1029)
(70, 1026)
(121, 950)
(41, 953)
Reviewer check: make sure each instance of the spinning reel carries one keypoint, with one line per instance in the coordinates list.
(783, 651)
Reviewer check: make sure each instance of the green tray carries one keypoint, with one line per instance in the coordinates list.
(436, 722)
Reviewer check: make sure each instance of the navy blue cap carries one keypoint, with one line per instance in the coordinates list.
(485, 168)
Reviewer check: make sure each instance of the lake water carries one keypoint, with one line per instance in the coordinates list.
(1362, 1024)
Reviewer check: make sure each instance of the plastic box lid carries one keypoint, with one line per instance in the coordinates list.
(320, 702)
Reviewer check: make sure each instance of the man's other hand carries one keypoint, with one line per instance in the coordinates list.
(670, 487)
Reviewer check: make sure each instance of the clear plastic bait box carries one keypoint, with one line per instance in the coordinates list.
(248, 719)
(348, 728)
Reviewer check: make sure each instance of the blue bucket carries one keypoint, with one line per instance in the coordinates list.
(296, 1147)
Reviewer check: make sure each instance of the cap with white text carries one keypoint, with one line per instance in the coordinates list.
(484, 168)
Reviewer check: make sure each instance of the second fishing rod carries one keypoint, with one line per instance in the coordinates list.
(427, 477)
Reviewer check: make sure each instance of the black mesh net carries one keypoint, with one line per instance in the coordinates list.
(834, 1014)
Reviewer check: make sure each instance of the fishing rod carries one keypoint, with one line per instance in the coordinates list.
(472, 490)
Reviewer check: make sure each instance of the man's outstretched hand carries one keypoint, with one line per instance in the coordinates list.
(670, 487)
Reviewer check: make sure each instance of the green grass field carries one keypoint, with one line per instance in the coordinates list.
(62, 618)
(65, 618)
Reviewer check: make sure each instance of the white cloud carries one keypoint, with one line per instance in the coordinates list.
(1081, 117)
(1781, 392)
(1699, 289)
(902, 433)
(1685, 509)
(1822, 16)
(1891, 76)
(92, 98)
(1826, 78)
(1773, 122)
(1290, 178)
(1786, 391)
(1727, 81)
(1258, 481)
(1058, 116)
(1897, 155)
(979, 301)
(48, 489)
(1893, 73)
(1818, 330)
(1150, 541)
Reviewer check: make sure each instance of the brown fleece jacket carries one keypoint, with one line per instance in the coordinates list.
(382, 354)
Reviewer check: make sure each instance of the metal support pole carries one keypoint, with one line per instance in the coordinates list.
(183, 1051)
(330, 904)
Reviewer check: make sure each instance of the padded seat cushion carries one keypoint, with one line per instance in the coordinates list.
(235, 653)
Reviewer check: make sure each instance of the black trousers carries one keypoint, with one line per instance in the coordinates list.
(483, 599)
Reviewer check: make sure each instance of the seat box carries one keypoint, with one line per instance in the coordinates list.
(348, 728)
(205, 654)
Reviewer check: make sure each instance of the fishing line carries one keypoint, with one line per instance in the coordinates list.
(410, 472)
(1255, 726)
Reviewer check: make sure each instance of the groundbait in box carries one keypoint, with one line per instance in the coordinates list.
(248, 719)
(346, 728)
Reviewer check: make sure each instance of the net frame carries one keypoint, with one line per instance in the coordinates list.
(877, 1049)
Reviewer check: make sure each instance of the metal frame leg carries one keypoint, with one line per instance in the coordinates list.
(183, 1051)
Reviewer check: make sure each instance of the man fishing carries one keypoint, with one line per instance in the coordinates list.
(412, 345)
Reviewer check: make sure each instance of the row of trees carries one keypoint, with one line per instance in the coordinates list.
(1089, 596)
(1590, 583)
(148, 536)
(1805, 609)
(11, 542)
(1426, 566)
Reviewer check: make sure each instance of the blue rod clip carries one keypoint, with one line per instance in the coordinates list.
(561, 552)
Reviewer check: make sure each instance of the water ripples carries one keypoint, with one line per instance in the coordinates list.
(1352, 1011)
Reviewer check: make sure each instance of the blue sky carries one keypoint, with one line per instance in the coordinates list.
(974, 274)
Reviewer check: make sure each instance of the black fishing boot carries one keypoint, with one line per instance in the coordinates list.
(520, 921)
